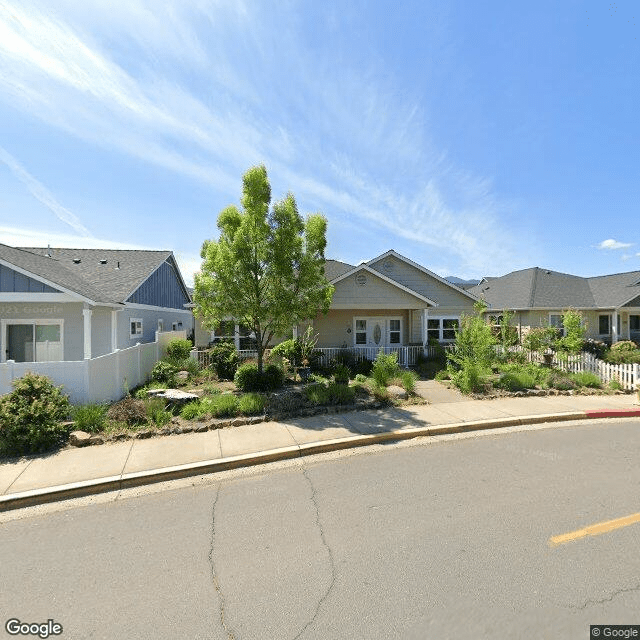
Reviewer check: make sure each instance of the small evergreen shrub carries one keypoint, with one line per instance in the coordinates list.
(191, 411)
(623, 352)
(179, 349)
(471, 377)
(361, 378)
(561, 381)
(289, 349)
(247, 378)
(185, 364)
(615, 385)
(89, 417)
(251, 404)
(31, 416)
(516, 381)
(385, 368)
(164, 372)
(443, 374)
(223, 406)
(223, 359)
(130, 411)
(587, 379)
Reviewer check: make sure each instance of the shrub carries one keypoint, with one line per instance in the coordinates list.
(317, 393)
(623, 355)
(587, 379)
(443, 374)
(516, 381)
(247, 378)
(596, 347)
(342, 374)
(615, 385)
(385, 367)
(130, 411)
(90, 417)
(624, 345)
(165, 372)
(352, 359)
(361, 378)
(561, 381)
(31, 415)
(340, 394)
(156, 411)
(185, 364)
(222, 406)
(191, 411)
(251, 404)
(408, 381)
(223, 359)
(289, 349)
(179, 349)
(471, 377)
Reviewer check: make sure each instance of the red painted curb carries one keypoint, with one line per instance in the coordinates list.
(612, 413)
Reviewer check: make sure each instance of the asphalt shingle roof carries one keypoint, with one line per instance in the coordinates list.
(543, 288)
(334, 269)
(81, 270)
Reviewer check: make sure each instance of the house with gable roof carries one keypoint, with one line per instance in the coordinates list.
(386, 302)
(77, 304)
(610, 304)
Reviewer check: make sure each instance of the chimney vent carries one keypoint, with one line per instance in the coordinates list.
(76, 261)
(103, 261)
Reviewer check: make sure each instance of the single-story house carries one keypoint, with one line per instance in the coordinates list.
(389, 301)
(609, 304)
(74, 304)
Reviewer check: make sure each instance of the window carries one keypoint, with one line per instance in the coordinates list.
(32, 340)
(135, 330)
(442, 329)
(361, 332)
(604, 325)
(394, 331)
(634, 323)
(555, 320)
(176, 326)
(224, 332)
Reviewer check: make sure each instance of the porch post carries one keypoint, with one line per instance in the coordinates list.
(86, 314)
(295, 332)
(236, 336)
(614, 326)
(425, 320)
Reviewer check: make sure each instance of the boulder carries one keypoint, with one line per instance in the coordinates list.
(79, 438)
(397, 392)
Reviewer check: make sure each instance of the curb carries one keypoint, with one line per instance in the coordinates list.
(140, 478)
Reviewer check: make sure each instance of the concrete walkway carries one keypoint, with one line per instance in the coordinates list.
(435, 392)
(73, 472)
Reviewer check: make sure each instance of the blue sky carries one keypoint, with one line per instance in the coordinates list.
(473, 137)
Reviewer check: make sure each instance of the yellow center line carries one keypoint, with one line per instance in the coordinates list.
(595, 529)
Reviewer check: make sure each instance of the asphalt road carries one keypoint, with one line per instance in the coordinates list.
(444, 539)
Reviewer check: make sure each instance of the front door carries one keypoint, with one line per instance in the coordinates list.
(377, 332)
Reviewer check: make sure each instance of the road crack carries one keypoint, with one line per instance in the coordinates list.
(615, 594)
(214, 573)
(332, 565)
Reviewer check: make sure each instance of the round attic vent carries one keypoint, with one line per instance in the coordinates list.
(361, 279)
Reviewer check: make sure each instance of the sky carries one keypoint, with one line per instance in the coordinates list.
(475, 138)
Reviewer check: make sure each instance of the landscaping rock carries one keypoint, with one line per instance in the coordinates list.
(79, 438)
(257, 419)
(146, 433)
(238, 422)
(199, 428)
(96, 440)
(397, 392)
(173, 396)
(117, 437)
(182, 376)
(187, 428)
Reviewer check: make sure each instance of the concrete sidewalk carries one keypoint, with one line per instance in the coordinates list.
(75, 472)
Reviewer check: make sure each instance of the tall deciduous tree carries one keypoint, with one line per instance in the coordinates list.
(266, 270)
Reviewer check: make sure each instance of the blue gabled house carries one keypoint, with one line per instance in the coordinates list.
(78, 304)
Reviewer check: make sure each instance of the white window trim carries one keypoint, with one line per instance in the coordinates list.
(441, 320)
(561, 325)
(136, 335)
(37, 321)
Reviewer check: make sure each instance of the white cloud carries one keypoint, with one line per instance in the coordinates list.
(614, 244)
(41, 193)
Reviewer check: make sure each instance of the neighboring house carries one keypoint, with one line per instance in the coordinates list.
(76, 304)
(386, 302)
(609, 304)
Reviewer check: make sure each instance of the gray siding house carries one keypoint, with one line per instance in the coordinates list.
(77, 304)
(610, 304)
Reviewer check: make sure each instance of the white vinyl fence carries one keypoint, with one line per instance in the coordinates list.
(102, 379)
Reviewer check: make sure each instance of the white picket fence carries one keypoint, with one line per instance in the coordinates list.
(102, 379)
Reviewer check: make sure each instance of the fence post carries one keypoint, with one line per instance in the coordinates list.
(139, 349)
(636, 378)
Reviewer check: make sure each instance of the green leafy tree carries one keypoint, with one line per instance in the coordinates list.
(266, 270)
(573, 339)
